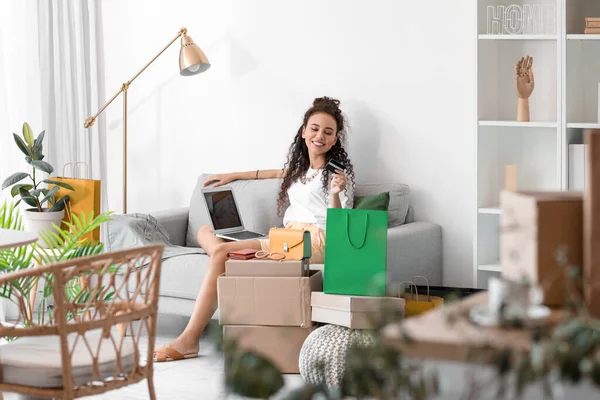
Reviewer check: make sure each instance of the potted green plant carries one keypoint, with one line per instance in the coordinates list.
(39, 218)
(56, 246)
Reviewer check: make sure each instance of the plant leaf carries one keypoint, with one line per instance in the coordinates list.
(60, 204)
(10, 217)
(50, 194)
(38, 147)
(37, 143)
(21, 145)
(14, 178)
(58, 183)
(42, 165)
(30, 201)
(25, 194)
(252, 375)
(38, 155)
(28, 134)
(73, 236)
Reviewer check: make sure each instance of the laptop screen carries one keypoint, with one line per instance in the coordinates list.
(223, 210)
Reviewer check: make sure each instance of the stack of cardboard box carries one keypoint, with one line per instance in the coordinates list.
(265, 306)
(592, 26)
(355, 312)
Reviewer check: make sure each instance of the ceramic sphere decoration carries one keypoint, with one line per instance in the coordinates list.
(328, 345)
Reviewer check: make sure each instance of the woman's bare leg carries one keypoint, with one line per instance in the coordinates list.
(207, 240)
(206, 302)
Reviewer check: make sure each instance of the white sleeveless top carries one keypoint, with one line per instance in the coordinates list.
(308, 203)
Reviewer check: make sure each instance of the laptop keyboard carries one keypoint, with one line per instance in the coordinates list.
(243, 235)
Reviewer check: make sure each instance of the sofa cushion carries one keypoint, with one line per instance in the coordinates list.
(378, 202)
(36, 361)
(136, 230)
(192, 267)
(257, 201)
(399, 199)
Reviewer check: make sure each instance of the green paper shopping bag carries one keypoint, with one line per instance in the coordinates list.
(355, 252)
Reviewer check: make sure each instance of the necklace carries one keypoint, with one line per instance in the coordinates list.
(306, 179)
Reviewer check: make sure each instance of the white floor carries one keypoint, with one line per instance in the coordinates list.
(197, 378)
(202, 378)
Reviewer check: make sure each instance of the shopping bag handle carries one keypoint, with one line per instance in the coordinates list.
(364, 239)
(69, 212)
(425, 279)
(412, 286)
(74, 165)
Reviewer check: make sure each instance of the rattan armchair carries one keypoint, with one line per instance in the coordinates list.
(72, 347)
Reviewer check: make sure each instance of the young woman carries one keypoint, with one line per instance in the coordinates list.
(307, 190)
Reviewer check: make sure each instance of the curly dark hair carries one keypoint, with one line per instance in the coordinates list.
(298, 161)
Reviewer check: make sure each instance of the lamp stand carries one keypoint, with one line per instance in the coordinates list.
(125, 87)
(191, 61)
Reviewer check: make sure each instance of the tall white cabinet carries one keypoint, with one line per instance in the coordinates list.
(563, 104)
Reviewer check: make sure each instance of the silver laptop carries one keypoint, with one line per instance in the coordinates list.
(225, 216)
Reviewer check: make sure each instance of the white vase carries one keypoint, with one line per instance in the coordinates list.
(38, 222)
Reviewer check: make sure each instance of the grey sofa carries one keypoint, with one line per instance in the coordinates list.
(414, 248)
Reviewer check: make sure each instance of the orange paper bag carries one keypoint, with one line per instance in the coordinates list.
(85, 198)
(416, 304)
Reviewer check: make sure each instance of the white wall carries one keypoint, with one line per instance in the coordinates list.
(404, 71)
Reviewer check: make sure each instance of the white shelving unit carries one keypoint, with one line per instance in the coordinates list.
(564, 103)
(490, 210)
(583, 125)
(492, 267)
(583, 37)
(516, 124)
(517, 37)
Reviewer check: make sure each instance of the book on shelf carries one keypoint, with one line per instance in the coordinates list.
(594, 24)
(592, 19)
(592, 31)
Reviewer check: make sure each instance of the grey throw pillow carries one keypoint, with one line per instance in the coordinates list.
(134, 230)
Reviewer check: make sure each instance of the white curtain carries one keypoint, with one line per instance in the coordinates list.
(20, 90)
(70, 55)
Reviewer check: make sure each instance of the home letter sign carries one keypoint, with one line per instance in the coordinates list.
(521, 20)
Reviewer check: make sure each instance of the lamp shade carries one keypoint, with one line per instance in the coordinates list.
(192, 60)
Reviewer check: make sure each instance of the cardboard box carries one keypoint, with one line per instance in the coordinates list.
(275, 301)
(266, 268)
(534, 227)
(279, 344)
(356, 312)
(591, 264)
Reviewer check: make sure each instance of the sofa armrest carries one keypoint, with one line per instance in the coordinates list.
(414, 249)
(175, 222)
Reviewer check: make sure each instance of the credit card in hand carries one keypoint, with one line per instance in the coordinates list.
(334, 165)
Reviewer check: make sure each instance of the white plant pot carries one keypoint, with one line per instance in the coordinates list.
(38, 222)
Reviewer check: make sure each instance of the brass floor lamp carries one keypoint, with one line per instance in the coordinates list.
(192, 61)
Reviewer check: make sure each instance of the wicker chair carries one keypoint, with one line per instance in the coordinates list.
(73, 348)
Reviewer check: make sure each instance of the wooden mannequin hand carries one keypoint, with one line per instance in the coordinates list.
(524, 84)
(524, 81)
